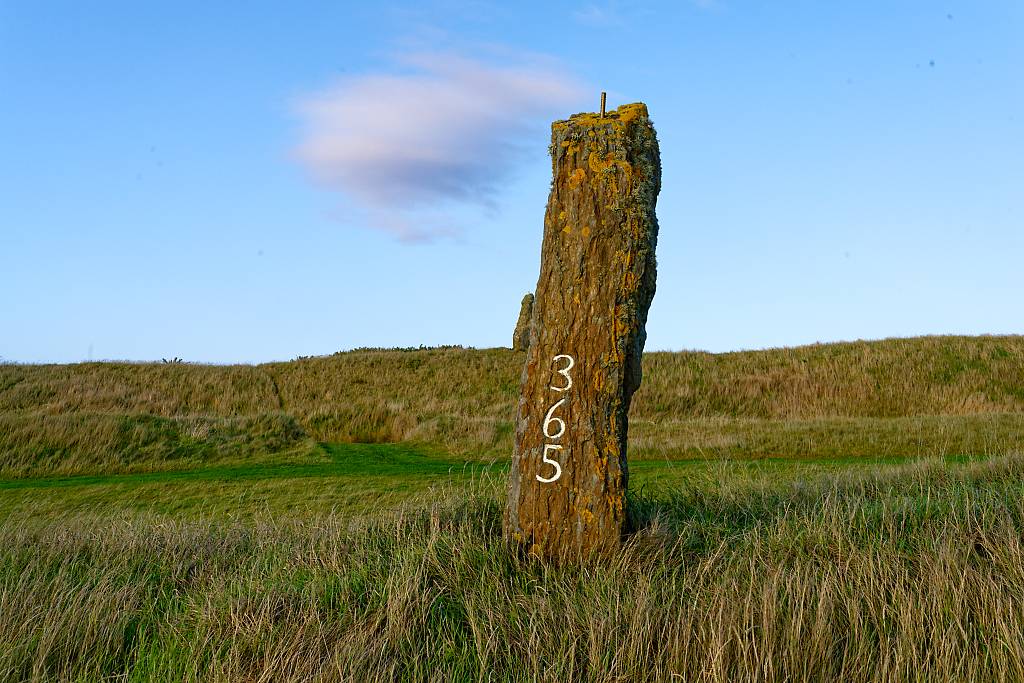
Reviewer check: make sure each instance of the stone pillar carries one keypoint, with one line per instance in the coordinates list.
(521, 337)
(597, 278)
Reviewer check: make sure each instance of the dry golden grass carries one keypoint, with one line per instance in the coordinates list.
(898, 397)
(86, 442)
(168, 390)
(888, 378)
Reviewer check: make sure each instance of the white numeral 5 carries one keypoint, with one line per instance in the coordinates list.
(565, 372)
(548, 420)
(558, 467)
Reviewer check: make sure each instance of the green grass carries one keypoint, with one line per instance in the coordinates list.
(846, 512)
(327, 478)
(766, 569)
(329, 460)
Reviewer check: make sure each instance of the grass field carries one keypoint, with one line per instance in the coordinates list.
(851, 512)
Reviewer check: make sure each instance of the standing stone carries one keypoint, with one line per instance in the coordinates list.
(521, 337)
(597, 278)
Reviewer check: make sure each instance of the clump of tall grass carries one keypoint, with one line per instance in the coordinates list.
(905, 573)
(160, 389)
(75, 443)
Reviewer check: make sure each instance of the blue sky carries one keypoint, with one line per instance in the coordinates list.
(244, 182)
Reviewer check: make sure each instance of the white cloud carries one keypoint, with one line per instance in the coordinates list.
(445, 130)
(598, 15)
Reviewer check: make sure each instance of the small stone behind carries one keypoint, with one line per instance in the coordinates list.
(521, 337)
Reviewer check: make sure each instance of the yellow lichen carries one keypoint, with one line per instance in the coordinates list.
(599, 165)
(628, 113)
(619, 331)
(617, 118)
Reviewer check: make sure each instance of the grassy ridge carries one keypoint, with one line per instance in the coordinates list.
(900, 397)
(888, 378)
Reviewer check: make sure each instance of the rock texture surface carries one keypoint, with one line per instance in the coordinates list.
(597, 278)
(521, 337)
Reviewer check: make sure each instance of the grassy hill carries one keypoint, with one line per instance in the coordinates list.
(931, 396)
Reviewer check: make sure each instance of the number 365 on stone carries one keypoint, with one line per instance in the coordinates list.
(554, 434)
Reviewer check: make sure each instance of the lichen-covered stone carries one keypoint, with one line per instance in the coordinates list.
(597, 279)
(521, 337)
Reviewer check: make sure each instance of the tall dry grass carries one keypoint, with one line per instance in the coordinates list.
(161, 389)
(944, 375)
(81, 442)
(910, 573)
(888, 378)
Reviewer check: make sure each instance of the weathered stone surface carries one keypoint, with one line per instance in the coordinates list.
(597, 279)
(521, 337)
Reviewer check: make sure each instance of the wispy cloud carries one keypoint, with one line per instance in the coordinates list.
(440, 130)
(600, 15)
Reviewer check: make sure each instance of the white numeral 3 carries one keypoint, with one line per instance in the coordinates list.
(565, 372)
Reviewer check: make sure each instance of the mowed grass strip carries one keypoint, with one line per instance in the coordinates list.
(327, 460)
(345, 477)
(340, 478)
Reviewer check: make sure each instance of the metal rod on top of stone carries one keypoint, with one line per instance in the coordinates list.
(603, 99)
(567, 489)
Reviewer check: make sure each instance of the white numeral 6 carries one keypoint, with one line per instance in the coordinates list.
(558, 467)
(548, 420)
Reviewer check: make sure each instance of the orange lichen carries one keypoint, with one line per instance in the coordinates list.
(599, 165)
